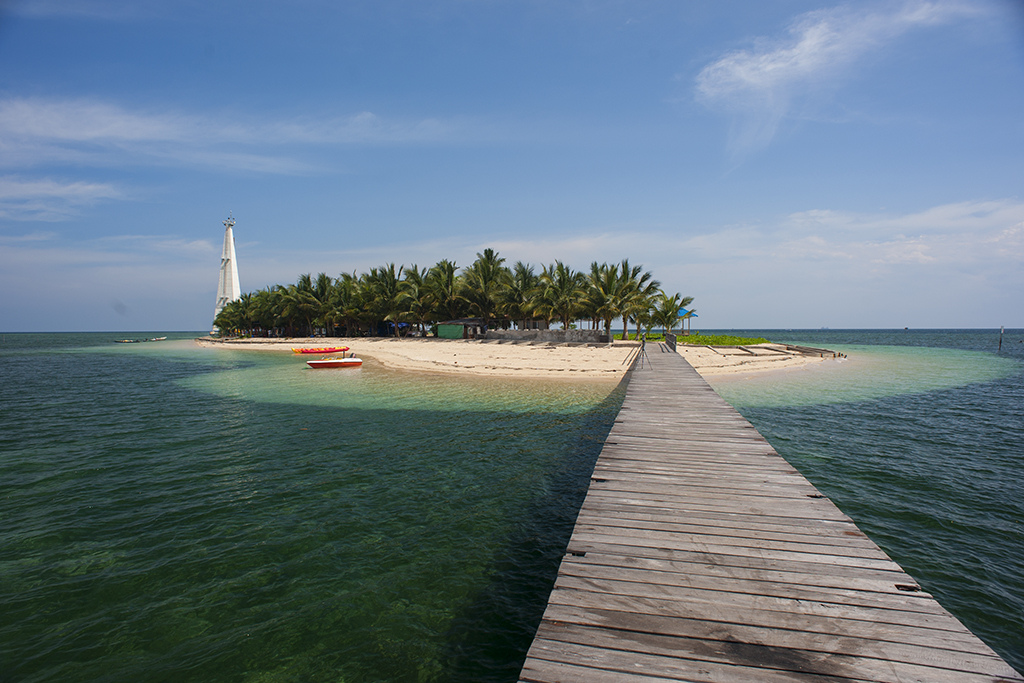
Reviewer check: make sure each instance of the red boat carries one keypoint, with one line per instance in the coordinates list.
(325, 349)
(350, 362)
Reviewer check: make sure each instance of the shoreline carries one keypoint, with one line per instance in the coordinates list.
(493, 358)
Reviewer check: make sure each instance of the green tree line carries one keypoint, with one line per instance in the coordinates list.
(386, 296)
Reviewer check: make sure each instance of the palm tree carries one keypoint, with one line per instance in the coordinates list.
(443, 284)
(265, 308)
(345, 304)
(561, 293)
(486, 288)
(385, 290)
(637, 288)
(666, 311)
(298, 306)
(482, 284)
(231, 319)
(322, 289)
(604, 286)
(416, 296)
(515, 300)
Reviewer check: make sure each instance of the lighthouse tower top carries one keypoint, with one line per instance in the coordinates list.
(227, 287)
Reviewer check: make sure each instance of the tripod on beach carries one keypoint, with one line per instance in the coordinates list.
(643, 351)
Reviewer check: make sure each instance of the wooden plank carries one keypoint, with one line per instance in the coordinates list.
(828, 656)
(882, 596)
(780, 575)
(722, 605)
(619, 613)
(699, 554)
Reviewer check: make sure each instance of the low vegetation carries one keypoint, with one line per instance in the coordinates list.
(397, 300)
(719, 340)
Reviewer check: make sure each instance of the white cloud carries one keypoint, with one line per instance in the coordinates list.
(34, 131)
(761, 85)
(45, 199)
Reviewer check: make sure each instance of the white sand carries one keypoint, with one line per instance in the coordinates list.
(526, 360)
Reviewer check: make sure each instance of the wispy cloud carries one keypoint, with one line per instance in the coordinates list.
(103, 10)
(89, 132)
(760, 86)
(959, 235)
(45, 199)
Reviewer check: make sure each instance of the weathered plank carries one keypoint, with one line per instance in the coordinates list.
(699, 554)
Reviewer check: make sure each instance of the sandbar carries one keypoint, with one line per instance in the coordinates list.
(544, 360)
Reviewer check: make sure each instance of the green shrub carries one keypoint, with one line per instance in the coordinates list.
(719, 340)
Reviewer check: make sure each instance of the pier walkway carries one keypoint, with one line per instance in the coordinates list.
(700, 554)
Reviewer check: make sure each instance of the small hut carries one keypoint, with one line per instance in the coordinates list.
(463, 328)
(686, 316)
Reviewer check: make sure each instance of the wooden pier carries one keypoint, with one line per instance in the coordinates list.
(700, 554)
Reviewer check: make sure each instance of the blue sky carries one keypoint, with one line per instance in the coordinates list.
(788, 164)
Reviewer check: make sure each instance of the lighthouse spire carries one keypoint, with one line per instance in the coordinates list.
(227, 288)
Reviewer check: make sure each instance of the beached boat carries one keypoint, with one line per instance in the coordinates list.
(342, 362)
(325, 349)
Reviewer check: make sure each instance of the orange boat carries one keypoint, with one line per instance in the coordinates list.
(325, 349)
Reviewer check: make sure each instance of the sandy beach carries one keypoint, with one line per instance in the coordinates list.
(505, 359)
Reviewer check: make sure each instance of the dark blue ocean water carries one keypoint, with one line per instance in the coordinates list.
(176, 513)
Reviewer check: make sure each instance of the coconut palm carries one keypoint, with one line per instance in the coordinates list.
(666, 310)
(637, 288)
(268, 307)
(298, 306)
(417, 298)
(561, 293)
(231, 319)
(384, 287)
(443, 284)
(603, 288)
(322, 288)
(482, 284)
(516, 299)
(345, 304)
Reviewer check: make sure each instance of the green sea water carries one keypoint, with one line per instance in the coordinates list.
(919, 436)
(176, 513)
(169, 512)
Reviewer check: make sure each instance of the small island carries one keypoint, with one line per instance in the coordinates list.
(512, 322)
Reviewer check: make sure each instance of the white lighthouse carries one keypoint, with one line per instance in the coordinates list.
(227, 288)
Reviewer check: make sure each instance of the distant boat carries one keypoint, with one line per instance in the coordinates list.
(325, 349)
(350, 362)
(138, 341)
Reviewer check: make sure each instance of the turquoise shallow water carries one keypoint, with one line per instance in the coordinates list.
(175, 513)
